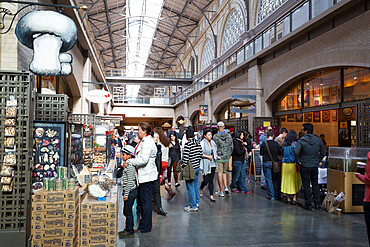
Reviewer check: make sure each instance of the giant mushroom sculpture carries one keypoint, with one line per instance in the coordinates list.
(48, 33)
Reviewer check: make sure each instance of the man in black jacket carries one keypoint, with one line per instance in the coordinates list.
(309, 151)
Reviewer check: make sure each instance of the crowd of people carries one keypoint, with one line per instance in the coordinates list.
(289, 162)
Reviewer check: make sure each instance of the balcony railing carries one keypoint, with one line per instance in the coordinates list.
(149, 74)
(143, 100)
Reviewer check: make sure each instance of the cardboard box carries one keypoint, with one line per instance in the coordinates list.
(69, 233)
(99, 229)
(112, 240)
(71, 205)
(112, 206)
(38, 197)
(85, 232)
(99, 208)
(112, 224)
(70, 224)
(54, 223)
(37, 216)
(112, 232)
(69, 242)
(37, 207)
(85, 241)
(70, 215)
(55, 206)
(112, 215)
(98, 238)
(85, 224)
(38, 235)
(36, 243)
(53, 232)
(53, 213)
(98, 221)
(72, 195)
(85, 207)
(99, 245)
(96, 215)
(55, 241)
(37, 226)
(53, 197)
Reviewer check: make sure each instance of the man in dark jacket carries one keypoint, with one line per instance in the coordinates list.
(308, 152)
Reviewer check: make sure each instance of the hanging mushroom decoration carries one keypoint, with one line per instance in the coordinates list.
(49, 34)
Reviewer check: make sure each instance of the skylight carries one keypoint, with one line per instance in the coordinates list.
(141, 26)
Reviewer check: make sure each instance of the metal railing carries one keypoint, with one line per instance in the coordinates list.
(143, 100)
(149, 74)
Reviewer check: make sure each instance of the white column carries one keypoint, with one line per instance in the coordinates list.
(208, 101)
(186, 115)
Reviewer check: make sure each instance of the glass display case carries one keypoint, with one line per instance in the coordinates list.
(345, 158)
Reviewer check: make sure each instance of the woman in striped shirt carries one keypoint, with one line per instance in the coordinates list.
(193, 153)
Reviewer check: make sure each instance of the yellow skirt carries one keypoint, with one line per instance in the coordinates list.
(290, 179)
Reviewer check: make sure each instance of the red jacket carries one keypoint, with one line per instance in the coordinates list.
(366, 179)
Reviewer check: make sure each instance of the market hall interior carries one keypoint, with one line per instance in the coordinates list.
(78, 76)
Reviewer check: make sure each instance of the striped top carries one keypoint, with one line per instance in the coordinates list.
(193, 153)
(129, 179)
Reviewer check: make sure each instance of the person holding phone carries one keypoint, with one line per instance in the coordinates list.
(365, 178)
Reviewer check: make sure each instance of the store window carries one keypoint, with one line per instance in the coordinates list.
(322, 88)
(266, 7)
(233, 29)
(356, 83)
(292, 100)
(300, 16)
(319, 6)
(208, 54)
(269, 37)
(283, 27)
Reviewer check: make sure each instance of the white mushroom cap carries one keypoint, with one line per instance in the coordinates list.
(35, 23)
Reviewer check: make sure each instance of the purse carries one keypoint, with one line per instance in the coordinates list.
(276, 165)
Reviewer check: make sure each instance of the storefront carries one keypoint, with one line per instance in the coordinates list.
(327, 99)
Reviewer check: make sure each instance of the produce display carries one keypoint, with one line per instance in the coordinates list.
(10, 159)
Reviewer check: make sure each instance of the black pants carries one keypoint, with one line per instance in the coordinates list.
(276, 181)
(367, 218)
(145, 206)
(127, 211)
(157, 193)
(309, 176)
(172, 168)
(208, 179)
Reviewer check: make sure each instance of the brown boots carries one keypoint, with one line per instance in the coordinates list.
(171, 193)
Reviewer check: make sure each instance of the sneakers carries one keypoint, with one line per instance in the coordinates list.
(246, 192)
(221, 194)
(190, 209)
(177, 185)
(227, 191)
(235, 191)
(125, 234)
(200, 192)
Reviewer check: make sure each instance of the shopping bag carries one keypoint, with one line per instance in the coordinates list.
(330, 203)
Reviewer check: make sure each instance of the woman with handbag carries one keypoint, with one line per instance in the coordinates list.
(270, 150)
(191, 156)
(208, 164)
(174, 157)
(290, 176)
(238, 171)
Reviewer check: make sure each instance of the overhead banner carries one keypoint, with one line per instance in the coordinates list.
(237, 110)
(98, 96)
(203, 112)
(243, 96)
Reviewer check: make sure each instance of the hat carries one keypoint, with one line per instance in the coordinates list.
(231, 129)
(220, 124)
(129, 150)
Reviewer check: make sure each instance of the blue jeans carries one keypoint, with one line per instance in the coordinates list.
(193, 190)
(267, 170)
(263, 179)
(127, 211)
(239, 174)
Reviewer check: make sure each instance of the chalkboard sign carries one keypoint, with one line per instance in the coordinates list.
(256, 164)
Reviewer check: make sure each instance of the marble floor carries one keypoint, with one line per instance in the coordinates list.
(246, 220)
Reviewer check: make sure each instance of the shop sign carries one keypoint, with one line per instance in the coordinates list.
(203, 112)
(237, 110)
(98, 96)
(245, 96)
(266, 124)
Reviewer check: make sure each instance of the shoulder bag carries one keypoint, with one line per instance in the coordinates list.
(276, 165)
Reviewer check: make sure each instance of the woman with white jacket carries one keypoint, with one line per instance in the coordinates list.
(144, 161)
(208, 164)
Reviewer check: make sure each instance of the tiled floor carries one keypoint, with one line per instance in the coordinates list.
(246, 220)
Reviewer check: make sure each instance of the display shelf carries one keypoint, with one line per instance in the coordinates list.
(14, 204)
(51, 107)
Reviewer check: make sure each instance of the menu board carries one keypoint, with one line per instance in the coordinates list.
(256, 164)
(48, 150)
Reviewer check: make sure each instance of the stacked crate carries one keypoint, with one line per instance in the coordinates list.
(99, 221)
(55, 218)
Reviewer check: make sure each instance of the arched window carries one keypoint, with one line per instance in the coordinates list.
(266, 7)
(233, 29)
(208, 54)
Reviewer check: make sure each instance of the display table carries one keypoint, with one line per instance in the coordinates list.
(99, 220)
(353, 188)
